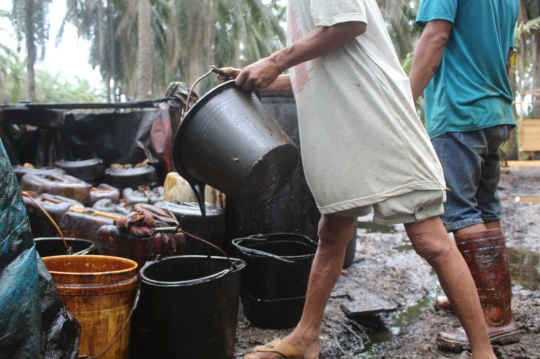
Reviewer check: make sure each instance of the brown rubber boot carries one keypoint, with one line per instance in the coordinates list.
(485, 254)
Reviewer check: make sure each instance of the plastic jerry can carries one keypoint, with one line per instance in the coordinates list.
(60, 185)
(20, 171)
(113, 242)
(104, 191)
(55, 206)
(143, 194)
(84, 223)
(189, 217)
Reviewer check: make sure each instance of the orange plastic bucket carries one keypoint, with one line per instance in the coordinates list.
(99, 292)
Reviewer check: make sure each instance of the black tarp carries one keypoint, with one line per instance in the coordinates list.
(114, 137)
(33, 321)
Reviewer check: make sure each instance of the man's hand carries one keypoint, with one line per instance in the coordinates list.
(230, 71)
(258, 75)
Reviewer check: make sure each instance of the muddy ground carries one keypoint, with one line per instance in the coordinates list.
(389, 279)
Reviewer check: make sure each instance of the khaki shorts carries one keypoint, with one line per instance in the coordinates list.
(410, 207)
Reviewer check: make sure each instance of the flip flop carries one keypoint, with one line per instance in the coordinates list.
(278, 346)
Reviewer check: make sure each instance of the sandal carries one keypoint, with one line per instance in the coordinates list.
(280, 347)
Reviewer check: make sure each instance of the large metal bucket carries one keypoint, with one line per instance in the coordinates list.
(229, 141)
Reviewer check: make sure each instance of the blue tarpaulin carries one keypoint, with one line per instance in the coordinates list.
(33, 321)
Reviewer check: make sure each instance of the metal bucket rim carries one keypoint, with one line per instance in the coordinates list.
(119, 172)
(94, 160)
(257, 253)
(187, 118)
(240, 264)
(133, 264)
(82, 252)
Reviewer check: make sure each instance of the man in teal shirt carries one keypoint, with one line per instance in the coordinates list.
(461, 61)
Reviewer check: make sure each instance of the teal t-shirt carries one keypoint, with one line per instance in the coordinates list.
(470, 90)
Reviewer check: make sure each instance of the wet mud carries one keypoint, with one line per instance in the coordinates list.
(397, 288)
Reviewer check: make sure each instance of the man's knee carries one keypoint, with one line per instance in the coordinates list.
(433, 249)
(335, 230)
(429, 239)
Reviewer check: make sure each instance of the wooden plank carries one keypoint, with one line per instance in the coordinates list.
(535, 163)
(529, 139)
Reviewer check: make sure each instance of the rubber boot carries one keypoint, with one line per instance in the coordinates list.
(485, 254)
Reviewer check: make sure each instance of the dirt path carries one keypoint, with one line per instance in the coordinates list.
(387, 273)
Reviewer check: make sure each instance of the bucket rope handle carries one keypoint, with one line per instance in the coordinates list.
(193, 86)
(255, 251)
(206, 243)
(27, 195)
(212, 69)
(135, 302)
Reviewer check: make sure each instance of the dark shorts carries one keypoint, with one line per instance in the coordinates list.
(470, 161)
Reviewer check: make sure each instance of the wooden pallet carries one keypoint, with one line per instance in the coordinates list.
(529, 136)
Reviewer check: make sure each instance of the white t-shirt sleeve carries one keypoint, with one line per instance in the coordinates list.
(329, 13)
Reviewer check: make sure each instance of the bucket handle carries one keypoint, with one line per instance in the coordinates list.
(206, 243)
(255, 251)
(212, 69)
(69, 250)
(135, 302)
(216, 70)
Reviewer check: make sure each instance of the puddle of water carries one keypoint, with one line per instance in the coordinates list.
(377, 337)
(525, 268)
(372, 227)
(404, 247)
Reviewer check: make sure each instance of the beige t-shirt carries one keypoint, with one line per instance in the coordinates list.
(362, 141)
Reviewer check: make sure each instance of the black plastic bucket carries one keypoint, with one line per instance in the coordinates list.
(194, 313)
(229, 141)
(275, 281)
(131, 177)
(90, 170)
(54, 246)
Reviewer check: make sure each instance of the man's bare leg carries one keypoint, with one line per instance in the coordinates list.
(475, 228)
(334, 234)
(430, 241)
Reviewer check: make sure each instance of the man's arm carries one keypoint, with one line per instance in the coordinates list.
(509, 60)
(281, 84)
(428, 54)
(317, 43)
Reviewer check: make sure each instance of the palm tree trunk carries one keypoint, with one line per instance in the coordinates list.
(31, 53)
(112, 54)
(200, 57)
(144, 52)
(536, 71)
(108, 86)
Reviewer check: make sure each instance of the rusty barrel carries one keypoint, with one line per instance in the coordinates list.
(99, 291)
(228, 140)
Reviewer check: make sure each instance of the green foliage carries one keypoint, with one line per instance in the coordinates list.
(49, 87)
(187, 36)
(526, 27)
(32, 15)
(400, 16)
(406, 63)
